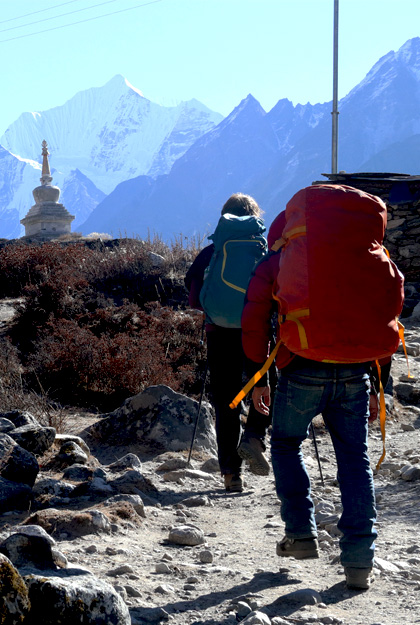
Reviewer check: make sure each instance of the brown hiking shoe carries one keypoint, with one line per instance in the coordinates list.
(252, 450)
(233, 483)
(359, 579)
(299, 548)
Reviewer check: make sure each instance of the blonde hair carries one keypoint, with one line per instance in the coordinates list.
(240, 204)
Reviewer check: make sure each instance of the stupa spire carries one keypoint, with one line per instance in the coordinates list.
(46, 172)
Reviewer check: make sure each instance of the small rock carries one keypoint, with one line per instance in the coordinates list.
(161, 567)
(164, 589)
(384, 565)
(120, 570)
(206, 556)
(259, 618)
(243, 609)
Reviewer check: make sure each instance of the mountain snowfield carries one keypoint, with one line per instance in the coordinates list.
(169, 170)
(110, 134)
(272, 155)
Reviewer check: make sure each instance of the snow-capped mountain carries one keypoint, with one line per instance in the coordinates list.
(17, 175)
(272, 155)
(108, 134)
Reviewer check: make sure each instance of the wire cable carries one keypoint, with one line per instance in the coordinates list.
(54, 17)
(90, 19)
(56, 6)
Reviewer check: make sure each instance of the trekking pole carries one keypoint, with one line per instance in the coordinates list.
(317, 454)
(201, 396)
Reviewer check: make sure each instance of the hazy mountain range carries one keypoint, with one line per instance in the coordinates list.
(170, 170)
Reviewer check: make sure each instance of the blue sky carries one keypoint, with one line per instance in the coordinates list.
(217, 51)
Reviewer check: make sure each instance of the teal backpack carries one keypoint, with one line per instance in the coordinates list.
(238, 246)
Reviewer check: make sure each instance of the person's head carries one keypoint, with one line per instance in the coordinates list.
(240, 205)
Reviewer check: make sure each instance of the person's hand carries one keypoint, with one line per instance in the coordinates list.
(373, 408)
(261, 399)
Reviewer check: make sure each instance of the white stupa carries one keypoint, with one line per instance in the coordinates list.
(47, 218)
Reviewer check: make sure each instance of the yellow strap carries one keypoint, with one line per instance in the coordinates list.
(233, 286)
(402, 339)
(292, 234)
(382, 414)
(300, 231)
(244, 392)
(294, 316)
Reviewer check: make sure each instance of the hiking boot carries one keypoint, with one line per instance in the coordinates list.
(358, 578)
(233, 483)
(252, 450)
(299, 548)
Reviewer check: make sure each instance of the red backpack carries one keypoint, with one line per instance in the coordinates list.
(339, 293)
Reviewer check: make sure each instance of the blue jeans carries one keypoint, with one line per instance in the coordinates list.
(340, 392)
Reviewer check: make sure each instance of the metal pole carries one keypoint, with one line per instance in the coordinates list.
(335, 94)
(317, 453)
(198, 413)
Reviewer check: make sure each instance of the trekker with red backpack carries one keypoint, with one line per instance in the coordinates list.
(338, 297)
(217, 282)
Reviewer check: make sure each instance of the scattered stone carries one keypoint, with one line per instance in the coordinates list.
(69, 522)
(16, 463)
(132, 482)
(198, 500)
(129, 461)
(135, 500)
(172, 464)
(14, 496)
(34, 438)
(306, 596)
(186, 535)
(50, 486)
(122, 569)
(410, 473)
(206, 556)
(60, 439)
(384, 565)
(77, 473)
(211, 466)
(14, 599)
(70, 453)
(132, 592)
(407, 427)
(161, 567)
(139, 616)
(6, 425)
(243, 609)
(164, 589)
(161, 417)
(259, 618)
(19, 418)
(75, 599)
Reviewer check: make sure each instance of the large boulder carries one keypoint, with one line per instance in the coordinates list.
(17, 464)
(20, 417)
(74, 599)
(158, 417)
(71, 523)
(14, 599)
(14, 496)
(34, 438)
(30, 546)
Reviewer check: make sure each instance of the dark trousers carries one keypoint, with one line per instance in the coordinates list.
(226, 365)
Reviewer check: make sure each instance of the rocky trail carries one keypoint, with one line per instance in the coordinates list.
(185, 552)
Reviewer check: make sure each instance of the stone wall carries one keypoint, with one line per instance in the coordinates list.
(402, 240)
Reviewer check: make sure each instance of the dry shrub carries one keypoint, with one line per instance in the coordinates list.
(100, 322)
(114, 353)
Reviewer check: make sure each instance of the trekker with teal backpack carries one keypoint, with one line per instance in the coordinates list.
(217, 283)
